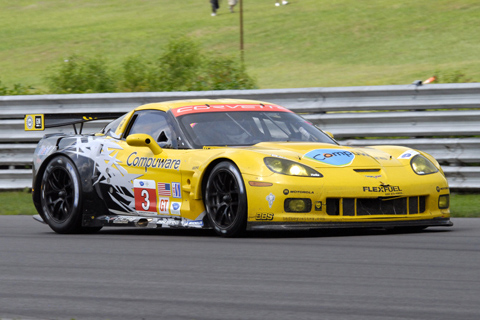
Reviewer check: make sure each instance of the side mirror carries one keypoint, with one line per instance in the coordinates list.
(329, 133)
(144, 140)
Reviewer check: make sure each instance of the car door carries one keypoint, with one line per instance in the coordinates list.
(155, 174)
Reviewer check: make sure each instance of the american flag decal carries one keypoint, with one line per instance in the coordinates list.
(164, 189)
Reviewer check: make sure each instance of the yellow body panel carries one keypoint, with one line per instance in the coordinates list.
(394, 178)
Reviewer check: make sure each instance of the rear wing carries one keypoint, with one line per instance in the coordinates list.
(39, 122)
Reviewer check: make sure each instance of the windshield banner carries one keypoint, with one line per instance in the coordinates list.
(227, 107)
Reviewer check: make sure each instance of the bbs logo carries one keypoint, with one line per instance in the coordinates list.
(264, 216)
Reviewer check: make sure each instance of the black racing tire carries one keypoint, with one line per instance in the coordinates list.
(226, 200)
(61, 197)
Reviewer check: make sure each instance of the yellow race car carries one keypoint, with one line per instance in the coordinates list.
(230, 165)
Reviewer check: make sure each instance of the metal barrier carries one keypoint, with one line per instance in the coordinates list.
(441, 119)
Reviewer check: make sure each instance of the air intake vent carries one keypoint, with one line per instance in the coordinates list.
(366, 170)
(375, 206)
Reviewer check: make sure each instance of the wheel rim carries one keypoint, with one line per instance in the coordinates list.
(223, 198)
(58, 194)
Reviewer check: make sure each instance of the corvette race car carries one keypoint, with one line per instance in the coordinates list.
(230, 165)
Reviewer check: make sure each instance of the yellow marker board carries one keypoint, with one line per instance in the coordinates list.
(34, 122)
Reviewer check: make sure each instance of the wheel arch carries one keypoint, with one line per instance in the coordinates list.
(86, 181)
(37, 180)
(237, 205)
(206, 174)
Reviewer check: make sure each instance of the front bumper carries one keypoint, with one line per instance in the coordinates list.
(436, 222)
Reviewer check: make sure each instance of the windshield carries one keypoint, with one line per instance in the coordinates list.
(248, 128)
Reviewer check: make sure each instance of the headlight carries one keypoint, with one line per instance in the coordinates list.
(290, 168)
(422, 165)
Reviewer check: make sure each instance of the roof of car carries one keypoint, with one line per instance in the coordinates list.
(167, 105)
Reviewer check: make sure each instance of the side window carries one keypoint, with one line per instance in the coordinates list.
(111, 128)
(153, 123)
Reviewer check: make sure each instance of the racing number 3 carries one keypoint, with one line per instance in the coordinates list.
(145, 196)
(146, 204)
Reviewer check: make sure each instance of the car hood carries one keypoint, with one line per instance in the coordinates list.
(327, 155)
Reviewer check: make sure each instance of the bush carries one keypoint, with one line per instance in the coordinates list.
(184, 67)
(181, 67)
(178, 67)
(81, 75)
(456, 76)
(18, 89)
(135, 75)
(223, 73)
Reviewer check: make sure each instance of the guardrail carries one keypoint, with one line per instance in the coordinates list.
(441, 119)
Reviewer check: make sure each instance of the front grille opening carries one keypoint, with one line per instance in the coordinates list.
(348, 206)
(422, 205)
(333, 206)
(416, 205)
(413, 205)
(375, 206)
(381, 206)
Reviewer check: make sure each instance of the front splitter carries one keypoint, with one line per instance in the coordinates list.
(437, 222)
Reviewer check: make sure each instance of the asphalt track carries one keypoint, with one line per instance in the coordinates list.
(167, 274)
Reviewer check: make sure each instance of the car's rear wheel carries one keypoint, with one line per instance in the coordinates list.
(61, 197)
(226, 200)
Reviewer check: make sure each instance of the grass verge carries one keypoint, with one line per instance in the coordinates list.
(20, 203)
(308, 43)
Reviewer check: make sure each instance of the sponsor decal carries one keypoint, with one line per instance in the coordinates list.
(318, 205)
(385, 188)
(334, 157)
(440, 189)
(120, 220)
(192, 223)
(374, 177)
(286, 192)
(264, 216)
(164, 189)
(227, 107)
(163, 204)
(304, 219)
(302, 191)
(168, 222)
(175, 208)
(270, 198)
(45, 150)
(145, 194)
(176, 190)
(359, 153)
(149, 162)
(408, 154)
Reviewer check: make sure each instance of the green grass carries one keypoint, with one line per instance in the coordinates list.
(16, 203)
(20, 203)
(465, 205)
(308, 43)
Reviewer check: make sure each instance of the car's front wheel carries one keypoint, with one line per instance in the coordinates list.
(61, 197)
(226, 200)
